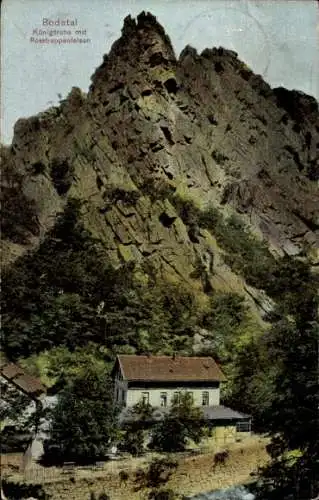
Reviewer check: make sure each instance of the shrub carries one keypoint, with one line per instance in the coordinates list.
(123, 476)
(166, 494)
(159, 472)
(115, 194)
(245, 254)
(104, 496)
(211, 218)
(219, 157)
(133, 441)
(181, 424)
(187, 210)
(157, 189)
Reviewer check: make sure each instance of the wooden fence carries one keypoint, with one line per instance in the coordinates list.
(35, 473)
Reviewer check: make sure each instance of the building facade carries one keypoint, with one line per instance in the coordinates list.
(156, 380)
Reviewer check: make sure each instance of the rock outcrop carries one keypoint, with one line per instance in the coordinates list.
(201, 127)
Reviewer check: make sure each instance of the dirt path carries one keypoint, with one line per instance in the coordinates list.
(198, 474)
(194, 474)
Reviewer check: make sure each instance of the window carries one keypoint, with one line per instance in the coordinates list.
(145, 398)
(163, 398)
(243, 426)
(123, 397)
(191, 396)
(177, 396)
(205, 398)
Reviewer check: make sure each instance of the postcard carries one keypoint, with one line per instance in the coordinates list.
(159, 239)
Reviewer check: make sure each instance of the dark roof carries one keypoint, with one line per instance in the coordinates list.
(221, 412)
(19, 378)
(213, 413)
(11, 370)
(169, 368)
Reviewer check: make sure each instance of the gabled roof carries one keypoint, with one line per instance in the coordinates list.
(169, 368)
(16, 376)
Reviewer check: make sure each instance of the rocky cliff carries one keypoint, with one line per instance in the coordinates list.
(154, 132)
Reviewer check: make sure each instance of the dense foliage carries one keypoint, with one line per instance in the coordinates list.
(83, 423)
(13, 404)
(282, 279)
(18, 214)
(67, 303)
(183, 423)
(66, 293)
(134, 436)
(227, 322)
(244, 252)
(292, 415)
(157, 474)
(60, 365)
(19, 418)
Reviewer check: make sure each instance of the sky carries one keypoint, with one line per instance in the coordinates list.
(276, 38)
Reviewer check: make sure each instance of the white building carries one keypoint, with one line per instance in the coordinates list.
(157, 379)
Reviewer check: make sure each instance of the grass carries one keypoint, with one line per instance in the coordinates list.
(194, 474)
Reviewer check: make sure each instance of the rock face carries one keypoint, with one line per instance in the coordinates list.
(204, 127)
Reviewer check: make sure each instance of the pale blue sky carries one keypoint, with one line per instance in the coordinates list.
(278, 39)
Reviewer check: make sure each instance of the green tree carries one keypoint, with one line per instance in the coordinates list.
(293, 285)
(88, 300)
(151, 317)
(225, 319)
(14, 409)
(64, 365)
(292, 417)
(83, 423)
(251, 381)
(13, 405)
(135, 433)
(46, 308)
(183, 423)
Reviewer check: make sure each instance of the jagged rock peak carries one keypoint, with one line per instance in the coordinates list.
(145, 26)
(188, 51)
(145, 20)
(298, 105)
(143, 43)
